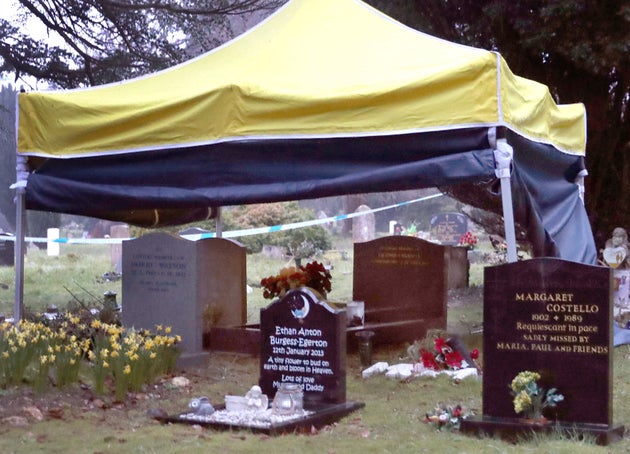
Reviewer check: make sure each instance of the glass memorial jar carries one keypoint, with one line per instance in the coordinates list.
(288, 400)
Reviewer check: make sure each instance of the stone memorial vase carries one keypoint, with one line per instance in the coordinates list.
(534, 415)
(536, 420)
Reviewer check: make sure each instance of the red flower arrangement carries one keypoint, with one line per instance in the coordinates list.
(445, 357)
(313, 275)
(468, 240)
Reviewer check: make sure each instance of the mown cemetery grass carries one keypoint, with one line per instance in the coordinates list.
(74, 420)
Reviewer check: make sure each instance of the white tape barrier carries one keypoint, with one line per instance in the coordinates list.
(232, 233)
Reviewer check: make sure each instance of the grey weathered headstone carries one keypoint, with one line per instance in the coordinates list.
(273, 252)
(172, 281)
(363, 227)
(458, 267)
(117, 231)
(303, 341)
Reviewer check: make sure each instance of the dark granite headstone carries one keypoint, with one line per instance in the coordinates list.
(7, 251)
(553, 317)
(403, 282)
(447, 228)
(172, 281)
(303, 341)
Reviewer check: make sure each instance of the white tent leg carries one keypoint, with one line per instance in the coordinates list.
(503, 161)
(21, 173)
(20, 224)
(219, 229)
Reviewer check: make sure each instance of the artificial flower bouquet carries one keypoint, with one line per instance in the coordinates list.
(445, 357)
(468, 240)
(313, 275)
(531, 399)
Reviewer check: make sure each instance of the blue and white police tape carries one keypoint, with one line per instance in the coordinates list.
(231, 233)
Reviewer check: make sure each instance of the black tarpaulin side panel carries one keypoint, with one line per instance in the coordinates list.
(252, 172)
(547, 203)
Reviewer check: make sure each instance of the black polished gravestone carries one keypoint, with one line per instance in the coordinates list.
(448, 228)
(553, 317)
(303, 341)
(7, 249)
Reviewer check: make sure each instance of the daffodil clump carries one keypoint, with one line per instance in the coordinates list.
(20, 346)
(69, 350)
(33, 352)
(132, 358)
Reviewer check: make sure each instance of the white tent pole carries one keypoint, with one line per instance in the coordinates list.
(503, 155)
(219, 229)
(20, 217)
(21, 171)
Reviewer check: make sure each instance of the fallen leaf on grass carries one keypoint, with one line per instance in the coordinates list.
(55, 412)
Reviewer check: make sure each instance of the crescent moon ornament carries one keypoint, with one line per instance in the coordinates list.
(304, 310)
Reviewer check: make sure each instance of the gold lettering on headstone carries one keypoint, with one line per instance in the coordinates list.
(544, 297)
(561, 324)
(515, 346)
(399, 255)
